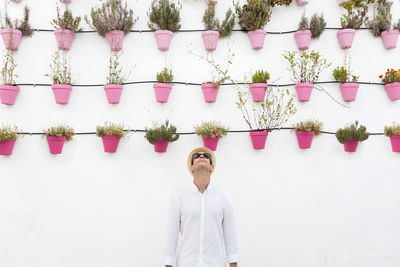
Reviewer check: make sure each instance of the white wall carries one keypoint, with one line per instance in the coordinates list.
(295, 208)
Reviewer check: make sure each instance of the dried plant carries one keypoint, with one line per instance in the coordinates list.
(344, 74)
(66, 21)
(60, 131)
(352, 132)
(277, 2)
(23, 25)
(317, 25)
(110, 128)
(211, 23)
(165, 76)
(253, 15)
(115, 71)
(60, 68)
(309, 126)
(356, 15)
(211, 129)
(164, 15)
(394, 129)
(303, 24)
(391, 76)
(111, 16)
(8, 132)
(162, 132)
(7, 71)
(382, 21)
(260, 76)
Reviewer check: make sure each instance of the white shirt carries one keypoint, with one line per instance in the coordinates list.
(204, 221)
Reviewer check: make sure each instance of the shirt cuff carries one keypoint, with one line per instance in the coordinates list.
(169, 261)
(234, 258)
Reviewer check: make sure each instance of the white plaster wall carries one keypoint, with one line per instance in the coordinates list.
(295, 208)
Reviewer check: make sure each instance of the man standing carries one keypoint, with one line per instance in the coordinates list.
(203, 214)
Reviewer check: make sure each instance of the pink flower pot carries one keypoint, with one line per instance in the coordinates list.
(8, 94)
(257, 38)
(349, 91)
(162, 91)
(395, 142)
(115, 39)
(210, 143)
(64, 38)
(56, 144)
(393, 90)
(210, 40)
(351, 146)
(65, 1)
(210, 93)
(113, 92)
(301, 2)
(258, 91)
(61, 93)
(258, 139)
(389, 38)
(303, 91)
(11, 38)
(345, 38)
(16, 1)
(110, 143)
(303, 39)
(305, 138)
(6, 147)
(163, 38)
(161, 146)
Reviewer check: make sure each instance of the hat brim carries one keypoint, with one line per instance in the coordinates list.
(202, 149)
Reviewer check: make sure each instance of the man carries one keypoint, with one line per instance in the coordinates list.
(203, 215)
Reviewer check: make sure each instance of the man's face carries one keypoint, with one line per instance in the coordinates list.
(201, 160)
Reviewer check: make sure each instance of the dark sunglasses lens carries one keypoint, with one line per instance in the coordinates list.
(205, 155)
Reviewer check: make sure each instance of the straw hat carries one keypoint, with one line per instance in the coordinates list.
(202, 149)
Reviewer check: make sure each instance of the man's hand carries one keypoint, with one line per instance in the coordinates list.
(233, 264)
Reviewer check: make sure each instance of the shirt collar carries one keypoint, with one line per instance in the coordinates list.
(210, 187)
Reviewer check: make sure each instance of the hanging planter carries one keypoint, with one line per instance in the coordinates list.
(115, 39)
(345, 38)
(61, 93)
(305, 138)
(303, 91)
(258, 87)
(110, 143)
(391, 82)
(14, 30)
(257, 38)
(210, 92)
(306, 30)
(258, 138)
(301, 2)
(110, 134)
(160, 136)
(66, 25)
(56, 144)
(64, 38)
(356, 16)
(210, 40)
(8, 136)
(389, 39)
(8, 94)
(395, 142)
(164, 18)
(211, 132)
(11, 38)
(351, 135)
(162, 89)
(393, 132)
(161, 146)
(305, 132)
(349, 91)
(350, 146)
(303, 39)
(348, 81)
(113, 92)
(56, 137)
(6, 147)
(115, 79)
(8, 90)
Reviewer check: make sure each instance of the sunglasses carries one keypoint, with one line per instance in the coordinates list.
(205, 155)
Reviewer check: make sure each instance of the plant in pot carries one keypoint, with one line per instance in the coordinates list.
(355, 17)
(351, 135)
(66, 25)
(306, 130)
(60, 74)
(163, 88)
(215, 29)
(393, 132)
(8, 88)
(161, 135)
(211, 132)
(307, 30)
(12, 31)
(164, 19)
(115, 79)
(381, 26)
(269, 115)
(56, 136)
(306, 68)
(259, 85)
(112, 20)
(252, 17)
(110, 134)
(348, 82)
(8, 136)
(391, 82)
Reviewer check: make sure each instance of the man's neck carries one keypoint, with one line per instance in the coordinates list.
(202, 180)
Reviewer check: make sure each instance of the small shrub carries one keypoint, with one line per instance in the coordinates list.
(8, 75)
(165, 132)
(66, 21)
(211, 129)
(260, 76)
(253, 15)
(164, 15)
(8, 132)
(60, 131)
(352, 132)
(394, 129)
(111, 129)
(391, 76)
(309, 126)
(60, 69)
(213, 24)
(165, 76)
(23, 25)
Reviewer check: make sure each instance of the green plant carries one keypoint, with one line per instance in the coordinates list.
(309, 126)
(382, 21)
(253, 15)
(343, 74)
(66, 21)
(352, 132)
(303, 24)
(8, 132)
(111, 16)
(164, 15)
(354, 19)
(306, 66)
(211, 129)
(260, 76)
(317, 25)
(60, 69)
(110, 128)
(165, 76)
(162, 132)
(60, 131)
(391, 76)
(394, 129)
(115, 75)
(7, 71)
(213, 24)
(23, 25)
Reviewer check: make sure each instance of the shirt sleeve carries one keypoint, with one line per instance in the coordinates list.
(230, 234)
(172, 231)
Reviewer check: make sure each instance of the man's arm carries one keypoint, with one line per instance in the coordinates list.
(230, 235)
(172, 232)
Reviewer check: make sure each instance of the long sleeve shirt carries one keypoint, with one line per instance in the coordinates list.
(207, 229)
